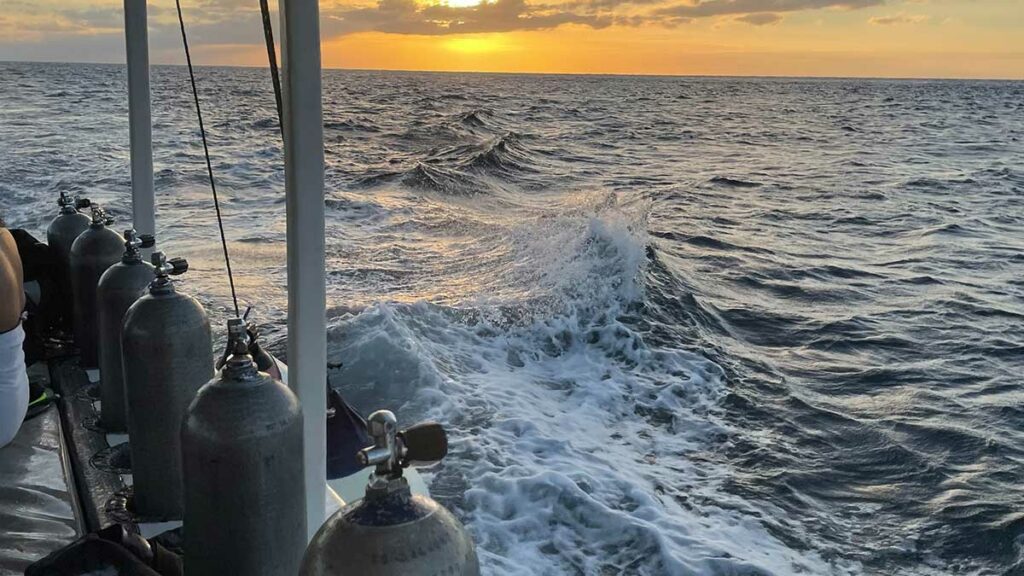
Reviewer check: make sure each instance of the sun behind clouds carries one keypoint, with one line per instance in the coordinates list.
(460, 3)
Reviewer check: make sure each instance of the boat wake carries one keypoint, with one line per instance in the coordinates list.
(577, 447)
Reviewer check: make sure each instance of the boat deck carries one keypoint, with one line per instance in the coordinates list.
(57, 479)
(39, 506)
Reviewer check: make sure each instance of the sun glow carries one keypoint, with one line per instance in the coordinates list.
(475, 44)
(461, 3)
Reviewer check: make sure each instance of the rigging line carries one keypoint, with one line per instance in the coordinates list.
(206, 152)
(268, 35)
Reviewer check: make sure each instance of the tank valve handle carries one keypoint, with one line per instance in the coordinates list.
(425, 443)
(395, 449)
(133, 242)
(82, 203)
(99, 215)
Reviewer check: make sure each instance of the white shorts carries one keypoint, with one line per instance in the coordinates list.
(13, 384)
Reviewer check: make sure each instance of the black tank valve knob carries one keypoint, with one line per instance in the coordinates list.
(424, 443)
(178, 266)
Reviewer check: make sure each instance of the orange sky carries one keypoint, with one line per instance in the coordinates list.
(902, 38)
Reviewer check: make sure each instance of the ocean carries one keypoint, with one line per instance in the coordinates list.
(674, 325)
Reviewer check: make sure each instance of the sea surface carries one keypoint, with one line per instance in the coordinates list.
(674, 325)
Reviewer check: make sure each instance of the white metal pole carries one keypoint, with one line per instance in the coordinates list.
(140, 124)
(304, 187)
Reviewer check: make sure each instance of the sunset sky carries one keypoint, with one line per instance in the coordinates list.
(901, 38)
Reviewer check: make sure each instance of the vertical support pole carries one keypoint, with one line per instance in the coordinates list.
(140, 124)
(304, 187)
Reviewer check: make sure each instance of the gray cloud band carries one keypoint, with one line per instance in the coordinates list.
(408, 17)
(218, 21)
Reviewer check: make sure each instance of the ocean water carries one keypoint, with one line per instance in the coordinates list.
(674, 325)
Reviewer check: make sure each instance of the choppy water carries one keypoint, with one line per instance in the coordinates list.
(676, 326)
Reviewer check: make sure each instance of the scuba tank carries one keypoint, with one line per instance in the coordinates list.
(167, 356)
(95, 250)
(242, 458)
(60, 235)
(120, 286)
(390, 532)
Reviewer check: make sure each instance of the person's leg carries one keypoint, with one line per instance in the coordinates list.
(13, 384)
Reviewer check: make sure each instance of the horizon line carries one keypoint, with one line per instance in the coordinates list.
(512, 73)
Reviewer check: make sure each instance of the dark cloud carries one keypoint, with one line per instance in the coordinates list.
(897, 19)
(760, 18)
(637, 20)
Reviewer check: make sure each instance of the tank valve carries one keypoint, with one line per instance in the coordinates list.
(236, 353)
(133, 242)
(165, 269)
(99, 216)
(394, 449)
(71, 203)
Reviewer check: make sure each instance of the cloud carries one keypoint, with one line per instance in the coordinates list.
(410, 17)
(760, 18)
(898, 19)
(709, 8)
(236, 22)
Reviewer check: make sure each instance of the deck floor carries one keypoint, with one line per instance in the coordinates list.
(37, 501)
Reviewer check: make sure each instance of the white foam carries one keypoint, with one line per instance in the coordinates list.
(576, 446)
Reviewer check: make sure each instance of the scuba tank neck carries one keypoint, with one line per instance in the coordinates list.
(164, 270)
(238, 364)
(71, 204)
(99, 216)
(133, 242)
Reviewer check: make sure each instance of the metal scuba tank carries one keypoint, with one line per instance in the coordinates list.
(242, 457)
(120, 286)
(95, 250)
(391, 532)
(60, 235)
(167, 354)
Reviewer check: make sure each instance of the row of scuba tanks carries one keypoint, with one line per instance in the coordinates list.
(222, 449)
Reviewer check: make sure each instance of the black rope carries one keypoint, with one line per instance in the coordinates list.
(206, 152)
(268, 35)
